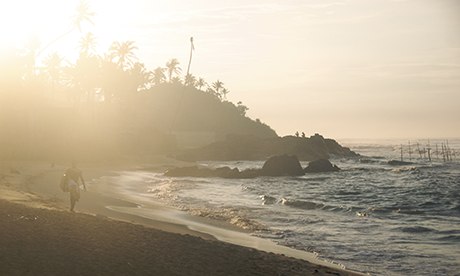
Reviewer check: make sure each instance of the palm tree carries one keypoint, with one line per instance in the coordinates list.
(172, 67)
(87, 44)
(158, 76)
(176, 80)
(123, 52)
(224, 93)
(52, 66)
(192, 47)
(217, 85)
(83, 14)
(200, 83)
(190, 80)
(242, 109)
(140, 76)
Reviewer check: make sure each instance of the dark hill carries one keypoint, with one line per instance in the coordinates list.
(177, 108)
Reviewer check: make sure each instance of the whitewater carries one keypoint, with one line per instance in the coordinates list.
(370, 217)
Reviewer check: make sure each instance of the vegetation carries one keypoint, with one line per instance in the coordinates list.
(107, 104)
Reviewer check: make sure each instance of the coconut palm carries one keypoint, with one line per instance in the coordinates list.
(200, 83)
(87, 44)
(83, 14)
(123, 53)
(176, 80)
(52, 67)
(224, 93)
(172, 67)
(192, 48)
(217, 85)
(140, 76)
(190, 80)
(158, 76)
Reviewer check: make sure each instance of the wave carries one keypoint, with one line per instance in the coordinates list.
(268, 200)
(449, 238)
(405, 169)
(310, 205)
(230, 215)
(306, 205)
(415, 229)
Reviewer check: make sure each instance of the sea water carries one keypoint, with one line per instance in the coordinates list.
(370, 216)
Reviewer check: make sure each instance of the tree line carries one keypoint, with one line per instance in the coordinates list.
(104, 78)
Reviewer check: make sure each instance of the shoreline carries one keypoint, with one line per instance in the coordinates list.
(43, 181)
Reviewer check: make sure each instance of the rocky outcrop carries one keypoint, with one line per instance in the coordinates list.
(321, 165)
(238, 147)
(282, 165)
(399, 163)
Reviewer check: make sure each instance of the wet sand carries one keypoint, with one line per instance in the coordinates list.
(38, 236)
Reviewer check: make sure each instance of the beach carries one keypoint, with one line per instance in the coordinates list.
(39, 236)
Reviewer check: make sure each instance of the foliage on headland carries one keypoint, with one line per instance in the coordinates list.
(109, 105)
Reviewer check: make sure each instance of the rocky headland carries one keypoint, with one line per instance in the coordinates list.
(244, 147)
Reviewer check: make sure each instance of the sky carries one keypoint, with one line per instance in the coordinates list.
(341, 68)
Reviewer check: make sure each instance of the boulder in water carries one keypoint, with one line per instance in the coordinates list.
(321, 165)
(399, 163)
(282, 165)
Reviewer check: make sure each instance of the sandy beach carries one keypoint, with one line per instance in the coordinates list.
(39, 236)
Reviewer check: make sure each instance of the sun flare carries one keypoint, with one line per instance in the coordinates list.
(23, 20)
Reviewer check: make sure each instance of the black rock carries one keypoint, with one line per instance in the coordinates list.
(399, 163)
(321, 165)
(282, 165)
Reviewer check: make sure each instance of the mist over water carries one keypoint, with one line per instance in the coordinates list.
(370, 217)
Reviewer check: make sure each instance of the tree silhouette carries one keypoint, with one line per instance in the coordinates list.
(200, 83)
(140, 77)
(224, 93)
(123, 53)
(52, 67)
(217, 86)
(83, 14)
(87, 44)
(190, 80)
(192, 48)
(172, 67)
(85, 76)
(158, 76)
(242, 109)
(32, 47)
(176, 80)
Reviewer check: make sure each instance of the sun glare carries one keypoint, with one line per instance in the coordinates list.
(22, 20)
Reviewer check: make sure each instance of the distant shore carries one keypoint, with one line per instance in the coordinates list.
(40, 237)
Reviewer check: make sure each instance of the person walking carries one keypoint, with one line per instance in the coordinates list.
(74, 176)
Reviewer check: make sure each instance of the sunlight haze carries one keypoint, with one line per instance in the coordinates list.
(342, 68)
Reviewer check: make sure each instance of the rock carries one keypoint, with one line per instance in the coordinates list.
(227, 172)
(194, 171)
(282, 165)
(321, 165)
(399, 163)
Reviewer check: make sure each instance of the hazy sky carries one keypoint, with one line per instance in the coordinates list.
(343, 68)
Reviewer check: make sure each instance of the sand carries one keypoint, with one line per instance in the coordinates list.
(39, 236)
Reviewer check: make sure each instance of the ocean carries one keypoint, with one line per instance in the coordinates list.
(369, 217)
